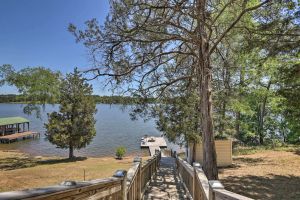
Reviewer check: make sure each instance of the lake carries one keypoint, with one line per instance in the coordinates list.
(113, 125)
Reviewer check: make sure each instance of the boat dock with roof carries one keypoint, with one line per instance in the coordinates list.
(14, 128)
(153, 143)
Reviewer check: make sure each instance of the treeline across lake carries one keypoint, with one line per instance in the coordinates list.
(13, 98)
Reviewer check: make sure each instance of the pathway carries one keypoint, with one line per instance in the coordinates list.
(153, 149)
(166, 184)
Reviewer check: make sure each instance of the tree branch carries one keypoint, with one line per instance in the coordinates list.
(234, 23)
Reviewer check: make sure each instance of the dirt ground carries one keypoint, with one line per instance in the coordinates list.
(20, 171)
(264, 175)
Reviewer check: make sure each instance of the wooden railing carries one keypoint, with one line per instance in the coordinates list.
(186, 174)
(134, 180)
(140, 175)
(199, 187)
(112, 187)
(217, 191)
(121, 186)
(201, 183)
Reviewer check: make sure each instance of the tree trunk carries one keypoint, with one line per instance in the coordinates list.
(71, 151)
(237, 124)
(261, 116)
(204, 78)
(226, 84)
(208, 139)
(209, 149)
(261, 123)
(194, 153)
(222, 119)
(284, 136)
(240, 95)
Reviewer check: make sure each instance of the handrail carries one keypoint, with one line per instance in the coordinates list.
(186, 165)
(225, 194)
(131, 175)
(185, 172)
(217, 191)
(197, 184)
(100, 188)
(202, 183)
(140, 174)
(133, 180)
(148, 170)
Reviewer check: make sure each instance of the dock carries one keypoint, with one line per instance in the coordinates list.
(153, 143)
(13, 137)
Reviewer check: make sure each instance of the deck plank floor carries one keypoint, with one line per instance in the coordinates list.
(166, 183)
(18, 135)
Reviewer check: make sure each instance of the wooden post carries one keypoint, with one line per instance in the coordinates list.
(195, 165)
(214, 184)
(139, 178)
(122, 174)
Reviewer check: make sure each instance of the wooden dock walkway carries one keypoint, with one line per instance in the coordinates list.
(16, 136)
(153, 149)
(166, 183)
(153, 143)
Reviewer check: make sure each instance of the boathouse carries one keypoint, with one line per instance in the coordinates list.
(14, 128)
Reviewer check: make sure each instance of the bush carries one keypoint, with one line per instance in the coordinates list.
(120, 152)
(273, 143)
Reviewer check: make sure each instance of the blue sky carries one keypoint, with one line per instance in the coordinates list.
(34, 33)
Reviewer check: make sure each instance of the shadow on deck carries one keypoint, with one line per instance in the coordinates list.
(166, 183)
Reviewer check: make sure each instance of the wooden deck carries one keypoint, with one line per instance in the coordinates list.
(153, 143)
(166, 183)
(152, 149)
(14, 137)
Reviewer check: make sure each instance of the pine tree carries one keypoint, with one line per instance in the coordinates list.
(73, 126)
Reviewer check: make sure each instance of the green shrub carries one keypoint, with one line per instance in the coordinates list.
(273, 143)
(120, 152)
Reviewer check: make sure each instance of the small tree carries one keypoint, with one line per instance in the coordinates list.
(73, 126)
(120, 152)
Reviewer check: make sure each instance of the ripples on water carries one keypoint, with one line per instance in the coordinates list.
(114, 128)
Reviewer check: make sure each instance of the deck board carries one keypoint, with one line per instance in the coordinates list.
(16, 136)
(166, 183)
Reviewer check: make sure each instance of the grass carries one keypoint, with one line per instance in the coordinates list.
(19, 171)
(263, 173)
(247, 150)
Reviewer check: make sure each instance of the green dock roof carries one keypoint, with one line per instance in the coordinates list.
(12, 120)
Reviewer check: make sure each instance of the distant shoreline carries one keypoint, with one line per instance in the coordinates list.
(12, 98)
